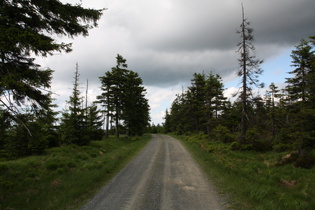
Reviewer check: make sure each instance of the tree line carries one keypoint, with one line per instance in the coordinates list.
(281, 119)
(28, 122)
(122, 101)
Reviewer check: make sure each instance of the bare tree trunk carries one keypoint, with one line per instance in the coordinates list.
(244, 95)
(107, 125)
(273, 116)
(117, 124)
(107, 117)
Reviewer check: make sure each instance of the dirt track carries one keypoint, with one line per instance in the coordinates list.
(163, 176)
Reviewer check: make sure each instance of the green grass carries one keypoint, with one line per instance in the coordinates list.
(251, 180)
(65, 177)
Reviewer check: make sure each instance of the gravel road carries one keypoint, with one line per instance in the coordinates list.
(163, 176)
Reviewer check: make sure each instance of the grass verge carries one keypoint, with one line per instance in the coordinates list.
(251, 180)
(65, 177)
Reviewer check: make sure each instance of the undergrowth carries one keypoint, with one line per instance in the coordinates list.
(65, 177)
(253, 180)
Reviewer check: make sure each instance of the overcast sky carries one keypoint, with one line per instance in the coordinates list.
(166, 41)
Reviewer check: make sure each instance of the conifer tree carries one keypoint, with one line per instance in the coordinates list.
(167, 122)
(214, 99)
(123, 98)
(249, 69)
(311, 76)
(73, 126)
(118, 77)
(196, 96)
(105, 99)
(135, 105)
(94, 122)
(28, 28)
(299, 86)
(273, 94)
(197, 109)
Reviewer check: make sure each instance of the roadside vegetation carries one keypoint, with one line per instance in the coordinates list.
(64, 177)
(262, 146)
(29, 122)
(260, 149)
(258, 120)
(251, 179)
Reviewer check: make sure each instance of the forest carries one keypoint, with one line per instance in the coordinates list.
(29, 123)
(261, 146)
(280, 120)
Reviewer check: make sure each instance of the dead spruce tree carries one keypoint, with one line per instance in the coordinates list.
(249, 70)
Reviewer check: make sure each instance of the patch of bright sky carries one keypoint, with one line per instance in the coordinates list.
(275, 70)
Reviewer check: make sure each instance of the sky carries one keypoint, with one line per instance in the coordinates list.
(167, 41)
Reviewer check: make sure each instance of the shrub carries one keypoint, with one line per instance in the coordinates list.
(306, 160)
(240, 147)
(52, 166)
(135, 138)
(262, 145)
(222, 133)
(281, 147)
(3, 168)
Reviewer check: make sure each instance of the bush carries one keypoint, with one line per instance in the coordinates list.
(262, 145)
(222, 133)
(19, 142)
(260, 141)
(280, 147)
(298, 140)
(306, 160)
(236, 146)
(52, 166)
(3, 168)
(135, 138)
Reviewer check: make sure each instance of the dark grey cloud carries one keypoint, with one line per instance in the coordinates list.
(199, 25)
(167, 41)
(282, 22)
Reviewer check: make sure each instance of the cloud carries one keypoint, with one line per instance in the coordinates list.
(167, 41)
(230, 93)
(161, 99)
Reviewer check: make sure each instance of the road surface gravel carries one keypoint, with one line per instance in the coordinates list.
(162, 176)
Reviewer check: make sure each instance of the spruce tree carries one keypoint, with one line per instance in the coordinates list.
(196, 96)
(167, 122)
(123, 97)
(300, 85)
(197, 109)
(73, 126)
(117, 87)
(311, 76)
(94, 122)
(300, 88)
(105, 99)
(28, 28)
(181, 114)
(135, 105)
(214, 100)
(273, 94)
(249, 69)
